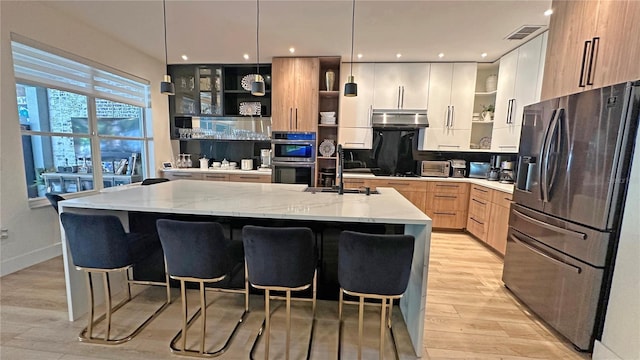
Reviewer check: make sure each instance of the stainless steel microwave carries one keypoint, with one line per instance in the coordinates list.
(435, 168)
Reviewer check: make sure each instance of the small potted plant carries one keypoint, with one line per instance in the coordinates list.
(487, 112)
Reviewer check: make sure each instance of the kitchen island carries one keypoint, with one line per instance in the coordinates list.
(265, 201)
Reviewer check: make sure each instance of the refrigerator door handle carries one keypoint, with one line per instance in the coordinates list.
(554, 228)
(556, 132)
(548, 257)
(592, 57)
(542, 175)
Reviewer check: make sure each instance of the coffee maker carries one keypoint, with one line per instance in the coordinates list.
(496, 167)
(507, 172)
(265, 158)
(458, 168)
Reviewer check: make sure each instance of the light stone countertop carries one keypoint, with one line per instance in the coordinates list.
(220, 171)
(276, 201)
(495, 185)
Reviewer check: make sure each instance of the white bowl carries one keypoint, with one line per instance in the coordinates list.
(327, 113)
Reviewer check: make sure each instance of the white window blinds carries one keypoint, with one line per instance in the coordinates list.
(44, 68)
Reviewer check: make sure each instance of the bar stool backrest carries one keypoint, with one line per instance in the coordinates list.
(54, 199)
(194, 249)
(374, 264)
(151, 181)
(282, 256)
(96, 241)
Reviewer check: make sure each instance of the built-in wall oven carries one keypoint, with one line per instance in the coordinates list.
(294, 157)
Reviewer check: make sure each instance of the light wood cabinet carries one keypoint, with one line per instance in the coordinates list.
(499, 221)
(400, 85)
(213, 176)
(518, 79)
(413, 190)
(446, 204)
(450, 104)
(488, 218)
(591, 44)
(295, 86)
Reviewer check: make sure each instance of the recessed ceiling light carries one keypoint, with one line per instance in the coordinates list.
(398, 55)
(185, 57)
(548, 12)
(246, 56)
(292, 50)
(484, 55)
(441, 55)
(359, 56)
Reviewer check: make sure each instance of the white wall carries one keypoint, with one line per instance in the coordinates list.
(34, 233)
(621, 336)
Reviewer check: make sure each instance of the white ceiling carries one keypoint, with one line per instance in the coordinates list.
(222, 31)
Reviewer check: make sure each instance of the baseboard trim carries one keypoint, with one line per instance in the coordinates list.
(601, 352)
(23, 261)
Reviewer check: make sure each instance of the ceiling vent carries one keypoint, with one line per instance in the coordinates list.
(523, 32)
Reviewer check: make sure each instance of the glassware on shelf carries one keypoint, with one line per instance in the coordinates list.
(189, 163)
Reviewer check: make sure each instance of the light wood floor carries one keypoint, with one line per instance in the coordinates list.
(470, 315)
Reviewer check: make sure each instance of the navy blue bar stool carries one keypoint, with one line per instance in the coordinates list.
(151, 181)
(280, 259)
(199, 252)
(373, 266)
(99, 244)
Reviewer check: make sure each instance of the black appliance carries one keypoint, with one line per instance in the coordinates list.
(392, 152)
(564, 225)
(294, 156)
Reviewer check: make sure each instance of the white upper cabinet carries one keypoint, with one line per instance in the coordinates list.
(519, 80)
(400, 86)
(356, 111)
(450, 107)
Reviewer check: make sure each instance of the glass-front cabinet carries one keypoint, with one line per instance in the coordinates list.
(198, 90)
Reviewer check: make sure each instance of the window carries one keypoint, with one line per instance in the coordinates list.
(83, 128)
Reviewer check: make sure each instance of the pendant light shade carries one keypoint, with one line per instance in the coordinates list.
(257, 86)
(350, 87)
(166, 86)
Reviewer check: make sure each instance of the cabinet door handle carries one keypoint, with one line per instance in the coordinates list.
(513, 105)
(445, 213)
(399, 97)
(479, 202)
(402, 104)
(587, 46)
(508, 111)
(296, 118)
(594, 49)
(453, 115)
(479, 222)
(369, 115)
(290, 118)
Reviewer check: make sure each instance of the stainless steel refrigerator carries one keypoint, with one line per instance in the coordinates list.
(573, 169)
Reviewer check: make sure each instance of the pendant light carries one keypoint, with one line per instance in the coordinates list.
(350, 87)
(166, 86)
(257, 86)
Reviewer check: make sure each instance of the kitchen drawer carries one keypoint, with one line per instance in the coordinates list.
(446, 201)
(250, 178)
(447, 219)
(447, 187)
(477, 227)
(356, 183)
(182, 175)
(479, 208)
(480, 192)
(215, 177)
(501, 198)
(406, 185)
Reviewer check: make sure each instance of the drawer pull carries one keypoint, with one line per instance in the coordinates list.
(446, 196)
(401, 184)
(214, 177)
(479, 202)
(451, 186)
(548, 257)
(479, 222)
(481, 190)
(445, 213)
(249, 177)
(183, 175)
(354, 182)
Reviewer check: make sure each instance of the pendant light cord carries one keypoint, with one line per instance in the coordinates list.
(164, 17)
(257, 37)
(353, 20)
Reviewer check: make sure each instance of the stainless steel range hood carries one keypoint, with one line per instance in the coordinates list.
(399, 118)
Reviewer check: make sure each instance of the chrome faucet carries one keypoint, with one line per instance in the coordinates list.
(340, 169)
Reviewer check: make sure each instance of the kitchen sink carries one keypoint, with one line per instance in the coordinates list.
(335, 190)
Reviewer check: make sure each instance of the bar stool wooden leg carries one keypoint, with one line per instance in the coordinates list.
(383, 311)
(288, 322)
(203, 309)
(185, 314)
(91, 303)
